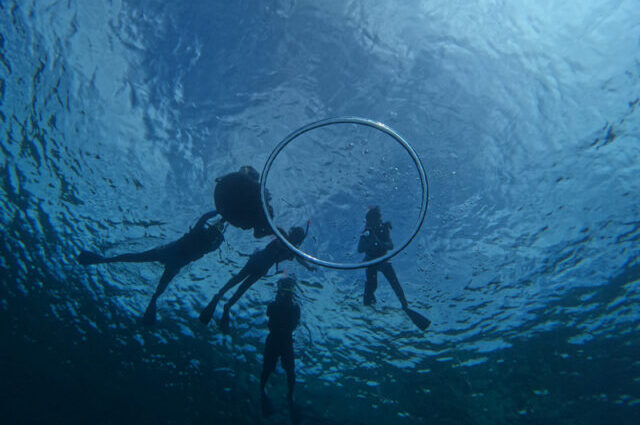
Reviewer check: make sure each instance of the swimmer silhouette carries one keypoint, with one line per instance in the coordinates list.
(192, 246)
(375, 242)
(257, 266)
(237, 199)
(284, 316)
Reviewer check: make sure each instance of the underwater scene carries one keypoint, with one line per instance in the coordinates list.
(176, 247)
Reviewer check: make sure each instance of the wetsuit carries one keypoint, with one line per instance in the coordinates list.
(190, 247)
(376, 242)
(257, 267)
(284, 316)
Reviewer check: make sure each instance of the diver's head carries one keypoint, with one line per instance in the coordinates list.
(374, 216)
(286, 285)
(296, 235)
(250, 171)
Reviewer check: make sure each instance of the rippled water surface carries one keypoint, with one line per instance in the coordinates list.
(117, 116)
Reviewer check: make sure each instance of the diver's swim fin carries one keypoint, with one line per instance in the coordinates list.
(86, 257)
(295, 414)
(267, 407)
(206, 315)
(418, 319)
(149, 317)
(223, 323)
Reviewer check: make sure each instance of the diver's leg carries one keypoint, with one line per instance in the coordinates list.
(224, 320)
(387, 270)
(155, 254)
(268, 363)
(370, 285)
(288, 364)
(207, 313)
(86, 257)
(287, 361)
(150, 314)
(268, 366)
(418, 319)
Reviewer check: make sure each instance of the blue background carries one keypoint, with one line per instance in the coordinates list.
(117, 116)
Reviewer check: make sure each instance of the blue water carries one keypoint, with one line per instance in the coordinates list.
(116, 117)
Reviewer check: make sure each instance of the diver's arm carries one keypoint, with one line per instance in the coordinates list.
(296, 319)
(364, 241)
(304, 264)
(206, 216)
(278, 271)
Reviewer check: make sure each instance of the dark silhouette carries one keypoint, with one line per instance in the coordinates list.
(284, 316)
(257, 266)
(237, 199)
(192, 246)
(376, 242)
